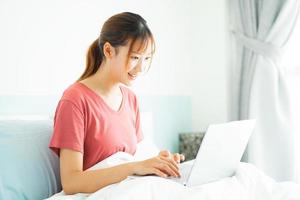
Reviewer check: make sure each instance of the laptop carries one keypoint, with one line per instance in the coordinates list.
(219, 154)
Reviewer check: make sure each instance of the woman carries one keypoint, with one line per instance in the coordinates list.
(97, 116)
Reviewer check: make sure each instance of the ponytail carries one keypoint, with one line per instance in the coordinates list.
(94, 59)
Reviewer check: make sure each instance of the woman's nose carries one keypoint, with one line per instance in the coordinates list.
(139, 67)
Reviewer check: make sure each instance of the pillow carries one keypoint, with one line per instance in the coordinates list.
(28, 169)
(146, 148)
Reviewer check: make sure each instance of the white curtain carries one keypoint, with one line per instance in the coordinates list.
(259, 30)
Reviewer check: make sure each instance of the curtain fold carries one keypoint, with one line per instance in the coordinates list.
(260, 29)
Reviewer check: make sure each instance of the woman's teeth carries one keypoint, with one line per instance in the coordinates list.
(132, 76)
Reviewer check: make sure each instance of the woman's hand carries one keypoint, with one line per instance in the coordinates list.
(176, 156)
(160, 165)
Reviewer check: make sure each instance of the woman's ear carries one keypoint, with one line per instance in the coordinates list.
(108, 50)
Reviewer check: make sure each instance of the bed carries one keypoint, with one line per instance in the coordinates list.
(29, 170)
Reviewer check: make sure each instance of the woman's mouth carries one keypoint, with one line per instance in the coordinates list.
(131, 76)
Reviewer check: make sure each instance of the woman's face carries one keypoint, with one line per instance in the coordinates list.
(127, 69)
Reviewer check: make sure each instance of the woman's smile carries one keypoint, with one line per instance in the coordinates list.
(132, 76)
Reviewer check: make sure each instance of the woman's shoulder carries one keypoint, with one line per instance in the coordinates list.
(73, 93)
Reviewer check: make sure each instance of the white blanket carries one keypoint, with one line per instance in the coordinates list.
(249, 183)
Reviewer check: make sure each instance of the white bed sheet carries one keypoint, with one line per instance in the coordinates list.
(249, 183)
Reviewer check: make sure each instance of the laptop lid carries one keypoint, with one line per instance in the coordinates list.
(221, 150)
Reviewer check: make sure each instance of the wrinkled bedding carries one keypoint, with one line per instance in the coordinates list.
(248, 183)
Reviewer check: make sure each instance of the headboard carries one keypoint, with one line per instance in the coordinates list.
(171, 113)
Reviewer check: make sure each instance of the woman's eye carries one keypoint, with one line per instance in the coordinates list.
(134, 57)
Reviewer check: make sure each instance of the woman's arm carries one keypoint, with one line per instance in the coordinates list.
(75, 180)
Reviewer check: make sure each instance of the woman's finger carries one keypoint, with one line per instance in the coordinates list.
(165, 153)
(159, 173)
(182, 157)
(171, 161)
(172, 166)
(167, 169)
(176, 157)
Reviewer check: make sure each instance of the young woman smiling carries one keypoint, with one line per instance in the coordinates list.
(98, 116)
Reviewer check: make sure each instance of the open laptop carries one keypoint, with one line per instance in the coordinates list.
(219, 154)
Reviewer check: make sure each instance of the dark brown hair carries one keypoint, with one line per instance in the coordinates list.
(118, 30)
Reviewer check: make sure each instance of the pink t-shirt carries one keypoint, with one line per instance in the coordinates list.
(83, 122)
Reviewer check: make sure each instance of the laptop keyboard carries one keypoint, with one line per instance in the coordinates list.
(185, 169)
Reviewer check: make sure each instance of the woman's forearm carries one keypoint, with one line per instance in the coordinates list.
(93, 180)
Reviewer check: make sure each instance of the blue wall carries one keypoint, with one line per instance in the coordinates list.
(171, 114)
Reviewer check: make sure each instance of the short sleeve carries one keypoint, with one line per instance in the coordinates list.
(68, 130)
(139, 132)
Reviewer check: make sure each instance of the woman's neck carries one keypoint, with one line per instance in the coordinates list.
(102, 82)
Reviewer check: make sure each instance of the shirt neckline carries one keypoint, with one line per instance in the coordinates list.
(101, 99)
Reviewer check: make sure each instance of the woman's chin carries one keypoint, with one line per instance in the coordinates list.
(128, 83)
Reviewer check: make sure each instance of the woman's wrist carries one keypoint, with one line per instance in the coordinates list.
(132, 168)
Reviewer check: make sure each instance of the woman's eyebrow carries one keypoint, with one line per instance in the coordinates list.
(135, 52)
